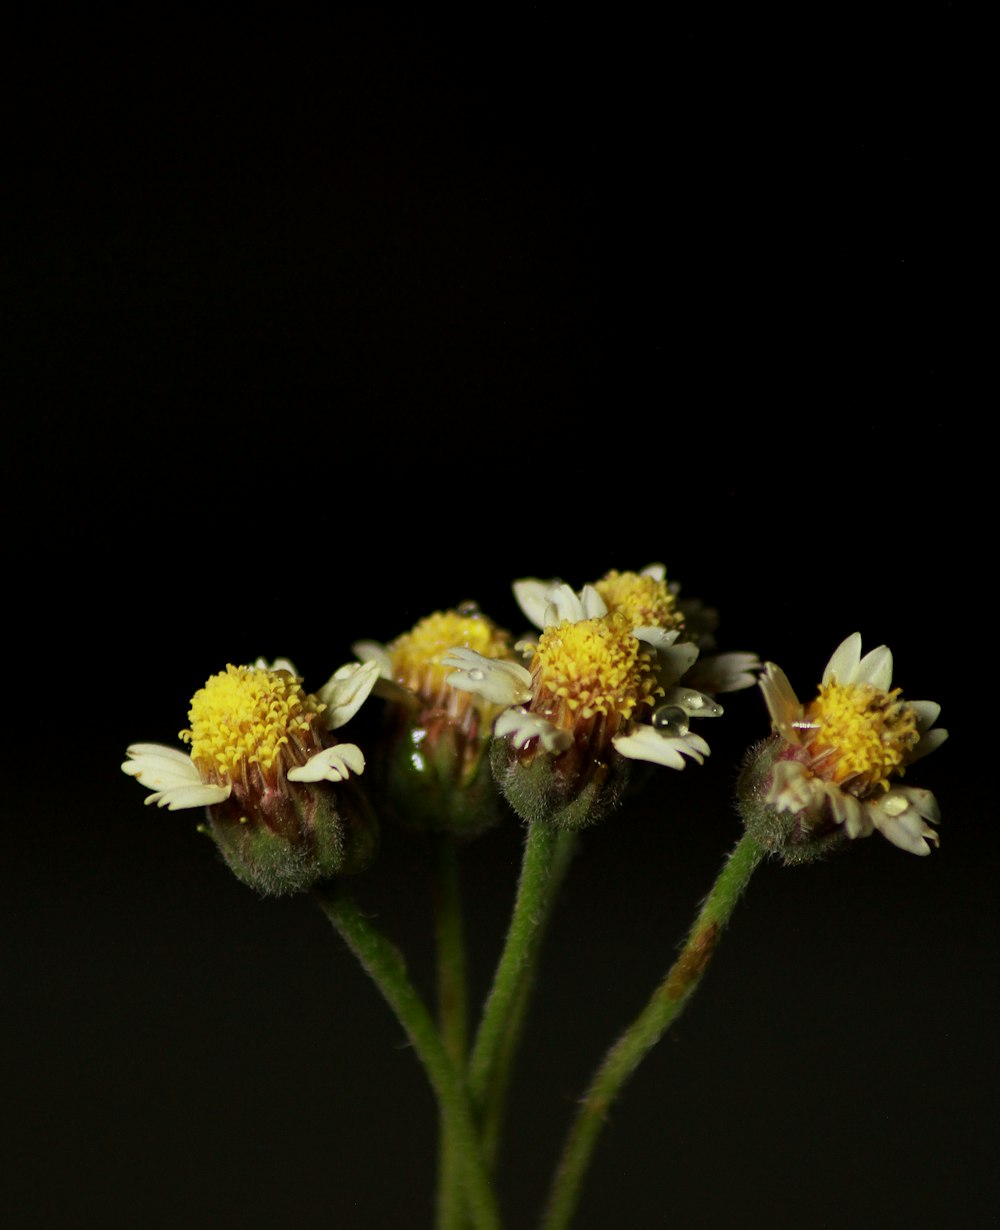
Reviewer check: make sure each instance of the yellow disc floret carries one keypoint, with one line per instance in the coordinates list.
(862, 736)
(642, 599)
(590, 669)
(416, 655)
(246, 717)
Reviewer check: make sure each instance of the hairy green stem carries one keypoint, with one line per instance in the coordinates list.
(496, 1094)
(384, 963)
(452, 1014)
(665, 1005)
(516, 960)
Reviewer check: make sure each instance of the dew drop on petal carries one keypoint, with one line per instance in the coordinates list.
(476, 674)
(671, 720)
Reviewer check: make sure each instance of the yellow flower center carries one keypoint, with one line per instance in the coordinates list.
(592, 668)
(244, 717)
(416, 655)
(863, 735)
(643, 600)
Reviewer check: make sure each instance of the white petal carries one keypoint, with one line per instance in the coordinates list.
(645, 743)
(279, 664)
(928, 743)
(782, 703)
(848, 811)
(725, 672)
(845, 660)
(501, 683)
(927, 712)
(659, 638)
(333, 764)
(675, 661)
(563, 606)
(656, 571)
(875, 668)
(792, 789)
(530, 595)
(593, 604)
(523, 726)
(900, 816)
(179, 797)
(160, 768)
(346, 691)
(372, 651)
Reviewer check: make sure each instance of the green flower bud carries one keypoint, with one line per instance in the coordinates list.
(432, 771)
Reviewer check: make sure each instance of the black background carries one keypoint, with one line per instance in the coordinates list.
(316, 331)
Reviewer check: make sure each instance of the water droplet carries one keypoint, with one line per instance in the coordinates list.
(476, 674)
(671, 720)
(468, 608)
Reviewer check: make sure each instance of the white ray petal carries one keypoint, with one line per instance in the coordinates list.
(160, 768)
(927, 711)
(928, 743)
(346, 691)
(659, 638)
(523, 726)
(530, 594)
(372, 651)
(845, 659)
(875, 668)
(499, 682)
(177, 798)
(648, 744)
(333, 764)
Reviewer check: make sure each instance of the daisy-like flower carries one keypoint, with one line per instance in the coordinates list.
(602, 686)
(433, 752)
(260, 748)
(829, 771)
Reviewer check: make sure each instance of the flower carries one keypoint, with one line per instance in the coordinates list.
(436, 735)
(607, 680)
(830, 763)
(260, 751)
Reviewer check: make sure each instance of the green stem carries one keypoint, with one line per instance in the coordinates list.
(516, 960)
(666, 1004)
(384, 963)
(452, 1014)
(496, 1096)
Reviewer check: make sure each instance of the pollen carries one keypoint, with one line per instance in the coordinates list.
(416, 655)
(592, 669)
(246, 717)
(860, 736)
(642, 599)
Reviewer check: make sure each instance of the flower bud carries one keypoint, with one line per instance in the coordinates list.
(432, 772)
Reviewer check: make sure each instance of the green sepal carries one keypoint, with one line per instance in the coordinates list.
(435, 780)
(296, 836)
(780, 833)
(572, 790)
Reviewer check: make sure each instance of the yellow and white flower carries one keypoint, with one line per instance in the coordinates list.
(253, 728)
(260, 762)
(612, 658)
(837, 756)
(596, 680)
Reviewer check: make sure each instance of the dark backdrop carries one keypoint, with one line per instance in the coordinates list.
(316, 332)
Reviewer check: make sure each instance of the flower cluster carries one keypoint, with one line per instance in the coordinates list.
(614, 673)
